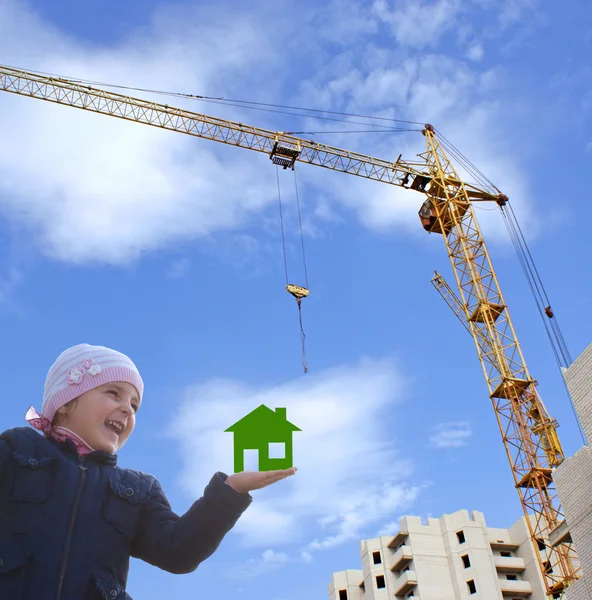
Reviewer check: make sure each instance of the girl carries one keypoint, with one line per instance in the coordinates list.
(70, 518)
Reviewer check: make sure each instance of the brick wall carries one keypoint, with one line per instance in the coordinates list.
(574, 486)
(573, 479)
(579, 383)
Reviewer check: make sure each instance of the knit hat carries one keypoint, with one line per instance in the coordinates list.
(81, 369)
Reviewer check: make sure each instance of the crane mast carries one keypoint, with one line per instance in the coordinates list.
(528, 433)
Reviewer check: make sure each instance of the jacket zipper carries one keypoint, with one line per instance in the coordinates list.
(71, 527)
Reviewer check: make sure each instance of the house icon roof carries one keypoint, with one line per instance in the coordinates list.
(263, 420)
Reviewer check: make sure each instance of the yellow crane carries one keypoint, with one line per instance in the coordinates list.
(528, 433)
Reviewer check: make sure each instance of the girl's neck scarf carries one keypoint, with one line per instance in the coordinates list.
(59, 433)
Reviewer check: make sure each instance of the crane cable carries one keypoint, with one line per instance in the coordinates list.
(297, 291)
(560, 350)
(248, 104)
(558, 344)
(556, 339)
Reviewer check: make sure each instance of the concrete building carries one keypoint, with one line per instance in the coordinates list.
(573, 478)
(451, 558)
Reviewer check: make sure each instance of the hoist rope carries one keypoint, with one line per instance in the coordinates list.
(277, 173)
(301, 232)
(298, 300)
(302, 334)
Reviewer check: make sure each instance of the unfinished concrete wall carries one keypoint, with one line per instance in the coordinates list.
(345, 585)
(441, 559)
(579, 383)
(573, 480)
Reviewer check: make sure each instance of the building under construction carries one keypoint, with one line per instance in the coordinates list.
(453, 557)
(458, 556)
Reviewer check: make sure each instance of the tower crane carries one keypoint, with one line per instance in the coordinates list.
(528, 433)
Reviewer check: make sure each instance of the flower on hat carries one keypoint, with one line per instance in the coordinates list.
(75, 376)
(95, 369)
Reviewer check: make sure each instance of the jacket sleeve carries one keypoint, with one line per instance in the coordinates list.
(179, 544)
(4, 462)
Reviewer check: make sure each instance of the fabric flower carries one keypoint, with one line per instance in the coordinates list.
(95, 369)
(75, 376)
(88, 363)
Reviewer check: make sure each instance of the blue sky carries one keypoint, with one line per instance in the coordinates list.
(168, 248)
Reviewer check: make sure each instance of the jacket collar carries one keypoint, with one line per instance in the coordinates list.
(98, 456)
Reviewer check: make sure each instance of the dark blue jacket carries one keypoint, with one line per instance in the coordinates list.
(69, 524)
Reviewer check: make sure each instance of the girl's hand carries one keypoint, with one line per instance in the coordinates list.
(247, 481)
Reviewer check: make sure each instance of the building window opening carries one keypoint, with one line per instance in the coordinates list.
(472, 587)
(342, 594)
(541, 544)
(466, 561)
(512, 577)
(461, 537)
(506, 554)
(380, 582)
(548, 568)
(376, 557)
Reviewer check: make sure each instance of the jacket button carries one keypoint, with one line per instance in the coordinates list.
(129, 492)
(113, 594)
(33, 461)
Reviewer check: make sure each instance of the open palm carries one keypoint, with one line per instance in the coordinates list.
(247, 481)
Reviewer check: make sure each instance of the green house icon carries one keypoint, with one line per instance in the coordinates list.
(257, 431)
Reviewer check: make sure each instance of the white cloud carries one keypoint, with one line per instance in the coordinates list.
(512, 11)
(268, 561)
(451, 435)
(95, 189)
(458, 101)
(390, 528)
(418, 23)
(8, 283)
(475, 52)
(350, 474)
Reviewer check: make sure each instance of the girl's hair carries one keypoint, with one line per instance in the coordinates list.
(58, 417)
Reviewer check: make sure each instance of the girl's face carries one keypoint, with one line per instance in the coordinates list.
(96, 413)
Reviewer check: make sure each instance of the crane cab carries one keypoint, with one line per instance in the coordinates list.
(440, 216)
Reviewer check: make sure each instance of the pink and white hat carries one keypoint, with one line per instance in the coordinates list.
(81, 369)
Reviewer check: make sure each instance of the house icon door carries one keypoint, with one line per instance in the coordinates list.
(269, 433)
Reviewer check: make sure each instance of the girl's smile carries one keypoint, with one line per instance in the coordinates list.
(103, 417)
